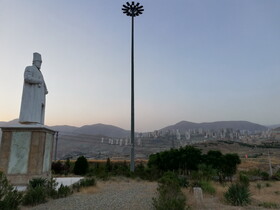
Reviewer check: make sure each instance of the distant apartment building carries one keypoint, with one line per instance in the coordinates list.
(275, 133)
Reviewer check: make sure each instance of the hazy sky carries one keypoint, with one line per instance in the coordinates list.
(195, 60)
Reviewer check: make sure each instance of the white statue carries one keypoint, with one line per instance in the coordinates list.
(33, 100)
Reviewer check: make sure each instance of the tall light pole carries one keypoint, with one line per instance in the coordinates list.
(132, 10)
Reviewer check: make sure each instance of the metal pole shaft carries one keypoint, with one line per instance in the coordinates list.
(132, 96)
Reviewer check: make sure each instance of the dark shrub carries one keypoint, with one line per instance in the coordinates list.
(57, 167)
(238, 195)
(108, 166)
(81, 166)
(35, 196)
(244, 180)
(87, 182)
(63, 191)
(38, 182)
(51, 188)
(170, 195)
(264, 175)
(140, 171)
(10, 198)
(183, 182)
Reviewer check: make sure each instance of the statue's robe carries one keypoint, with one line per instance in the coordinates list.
(33, 100)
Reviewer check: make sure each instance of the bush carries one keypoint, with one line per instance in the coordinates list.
(238, 195)
(170, 195)
(35, 196)
(140, 171)
(10, 198)
(256, 174)
(276, 176)
(51, 188)
(81, 166)
(183, 182)
(59, 167)
(267, 184)
(84, 183)
(38, 182)
(206, 186)
(87, 182)
(205, 172)
(264, 175)
(244, 180)
(63, 191)
(40, 189)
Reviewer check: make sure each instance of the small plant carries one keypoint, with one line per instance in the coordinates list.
(238, 195)
(10, 198)
(269, 205)
(259, 187)
(267, 184)
(277, 192)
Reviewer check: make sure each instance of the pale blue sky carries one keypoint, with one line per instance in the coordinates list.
(195, 60)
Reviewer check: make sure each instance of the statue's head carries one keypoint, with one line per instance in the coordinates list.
(37, 60)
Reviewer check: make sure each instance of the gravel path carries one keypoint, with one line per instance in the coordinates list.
(122, 194)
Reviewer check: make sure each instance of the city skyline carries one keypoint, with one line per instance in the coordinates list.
(198, 61)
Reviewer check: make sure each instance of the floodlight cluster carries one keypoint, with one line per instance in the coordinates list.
(132, 9)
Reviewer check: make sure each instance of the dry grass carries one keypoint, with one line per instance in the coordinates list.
(266, 194)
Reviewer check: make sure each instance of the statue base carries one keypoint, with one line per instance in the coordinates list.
(26, 152)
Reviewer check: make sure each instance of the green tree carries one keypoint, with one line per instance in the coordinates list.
(81, 166)
(191, 158)
(213, 158)
(229, 165)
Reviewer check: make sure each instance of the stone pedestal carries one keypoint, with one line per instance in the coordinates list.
(26, 152)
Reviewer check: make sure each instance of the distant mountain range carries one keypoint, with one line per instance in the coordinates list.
(113, 131)
(95, 141)
(236, 125)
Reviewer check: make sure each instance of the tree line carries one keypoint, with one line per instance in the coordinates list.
(186, 160)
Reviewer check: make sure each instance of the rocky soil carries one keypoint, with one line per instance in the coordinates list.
(118, 194)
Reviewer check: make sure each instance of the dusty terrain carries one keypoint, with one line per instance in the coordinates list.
(125, 194)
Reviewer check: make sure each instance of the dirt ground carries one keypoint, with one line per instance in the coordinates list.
(269, 192)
